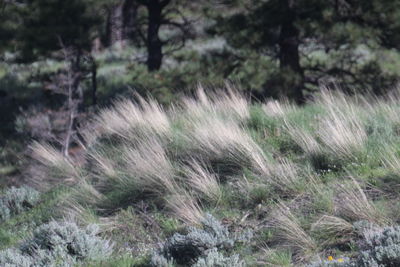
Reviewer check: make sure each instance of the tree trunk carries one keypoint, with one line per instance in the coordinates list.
(289, 57)
(94, 82)
(107, 37)
(129, 16)
(154, 44)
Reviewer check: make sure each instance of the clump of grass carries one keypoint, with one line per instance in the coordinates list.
(283, 177)
(390, 159)
(342, 130)
(223, 140)
(134, 168)
(353, 204)
(332, 230)
(342, 133)
(59, 168)
(203, 181)
(228, 103)
(131, 121)
(275, 108)
(148, 167)
(186, 208)
(282, 258)
(291, 234)
(304, 139)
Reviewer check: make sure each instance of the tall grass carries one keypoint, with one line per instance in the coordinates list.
(131, 121)
(204, 154)
(203, 181)
(225, 141)
(291, 234)
(228, 103)
(354, 205)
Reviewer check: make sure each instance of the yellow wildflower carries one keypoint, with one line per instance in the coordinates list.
(330, 258)
(340, 260)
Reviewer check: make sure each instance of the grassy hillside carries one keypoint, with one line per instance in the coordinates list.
(217, 181)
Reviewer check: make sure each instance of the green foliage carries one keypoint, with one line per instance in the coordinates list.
(49, 25)
(16, 200)
(344, 47)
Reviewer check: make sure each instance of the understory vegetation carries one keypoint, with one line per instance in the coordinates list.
(216, 180)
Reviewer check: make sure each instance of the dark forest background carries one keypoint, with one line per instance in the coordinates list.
(62, 60)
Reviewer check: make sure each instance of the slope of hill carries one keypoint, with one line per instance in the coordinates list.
(217, 181)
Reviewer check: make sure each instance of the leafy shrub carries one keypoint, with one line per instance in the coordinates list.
(15, 200)
(217, 259)
(13, 257)
(199, 242)
(67, 237)
(58, 244)
(382, 248)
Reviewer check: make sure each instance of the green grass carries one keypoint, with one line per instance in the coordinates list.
(21, 226)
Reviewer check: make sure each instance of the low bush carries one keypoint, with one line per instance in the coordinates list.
(215, 258)
(58, 244)
(13, 257)
(198, 244)
(15, 200)
(382, 248)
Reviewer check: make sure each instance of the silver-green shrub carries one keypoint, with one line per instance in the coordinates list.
(67, 238)
(382, 248)
(15, 200)
(216, 259)
(14, 258)
(198, 242)
(58, 244)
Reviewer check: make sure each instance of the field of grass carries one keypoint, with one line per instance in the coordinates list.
(217, 181)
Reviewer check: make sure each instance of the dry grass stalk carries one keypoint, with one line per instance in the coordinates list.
(353, 204)
(225, 139)
(277, 108)
(186, 208)
(390, 159)
(305, 140)
(203, 181)
(149, 167)
(342, 133)
(335, 100)
(290, 233)
(285, 176)
(333, 229)
(230, 104)
(58, 165)
(103, 164)
(131, 120)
